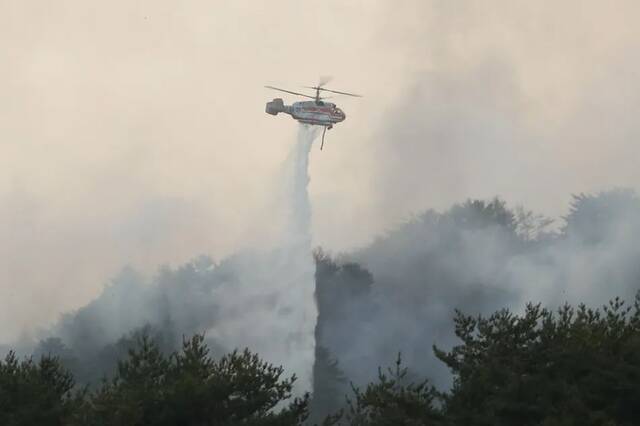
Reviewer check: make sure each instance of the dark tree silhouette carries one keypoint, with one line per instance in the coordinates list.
(329, 385)
(594, 217)
(575, 366)
(191, 388)
(37, 392)
(394, 400)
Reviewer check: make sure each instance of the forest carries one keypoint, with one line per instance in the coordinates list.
(568, 367)
(480, 315)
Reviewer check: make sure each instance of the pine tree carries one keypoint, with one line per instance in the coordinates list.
(37, 392)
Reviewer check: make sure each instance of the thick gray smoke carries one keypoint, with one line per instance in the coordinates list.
(262, 300)
(477, 257)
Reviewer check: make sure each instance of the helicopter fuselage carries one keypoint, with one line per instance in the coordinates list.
(317, 113)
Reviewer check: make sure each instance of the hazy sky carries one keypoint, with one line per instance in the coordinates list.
(134, 132)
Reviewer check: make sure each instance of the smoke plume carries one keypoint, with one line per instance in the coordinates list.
(276, 291)
(262, 300)
(399, 293)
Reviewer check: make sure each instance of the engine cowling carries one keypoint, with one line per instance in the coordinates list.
(275, 106)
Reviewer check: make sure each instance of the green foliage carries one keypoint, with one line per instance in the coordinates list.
(37, 393)
(394, 400)
(572, 367)
(191, 388)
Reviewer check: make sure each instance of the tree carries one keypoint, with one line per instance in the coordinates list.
(191, 388)
(394, 401)
(572, 367)
(532, 226)
(37, 393)
(594, 218)
(478, 214)
(342, 296)
(54, 347)
(329, 385)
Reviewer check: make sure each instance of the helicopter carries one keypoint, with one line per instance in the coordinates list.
(316, 112)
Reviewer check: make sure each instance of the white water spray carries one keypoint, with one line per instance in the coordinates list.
(300, 267)
(271, 308)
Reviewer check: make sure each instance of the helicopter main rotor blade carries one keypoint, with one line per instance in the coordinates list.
(332, 91)
(340, 93)
(289, 91)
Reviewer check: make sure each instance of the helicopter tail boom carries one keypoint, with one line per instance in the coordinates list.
(275, 106)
